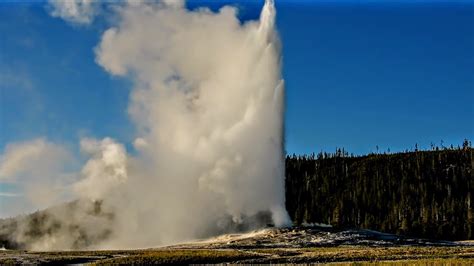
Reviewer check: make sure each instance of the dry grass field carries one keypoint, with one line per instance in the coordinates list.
(343, 255)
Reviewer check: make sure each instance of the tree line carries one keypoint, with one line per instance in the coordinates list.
(428, 194)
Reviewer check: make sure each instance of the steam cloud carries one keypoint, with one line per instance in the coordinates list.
(40, 169)
(208, 104)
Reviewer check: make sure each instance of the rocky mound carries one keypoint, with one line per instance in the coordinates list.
(310, 236)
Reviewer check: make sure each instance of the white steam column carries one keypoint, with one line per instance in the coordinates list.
(208, 106)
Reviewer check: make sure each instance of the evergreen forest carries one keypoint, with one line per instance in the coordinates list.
(426, 194)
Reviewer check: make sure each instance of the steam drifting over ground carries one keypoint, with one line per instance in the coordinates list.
(208, 103)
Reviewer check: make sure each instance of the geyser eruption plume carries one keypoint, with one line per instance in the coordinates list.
(208, 103)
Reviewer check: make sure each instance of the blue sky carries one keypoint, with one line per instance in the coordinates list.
(358, 74)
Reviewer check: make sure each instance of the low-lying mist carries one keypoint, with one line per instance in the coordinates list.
(208, 105)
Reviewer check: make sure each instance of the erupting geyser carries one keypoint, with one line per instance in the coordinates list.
(208, 103)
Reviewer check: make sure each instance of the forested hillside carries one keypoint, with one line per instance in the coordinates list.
(417, 193)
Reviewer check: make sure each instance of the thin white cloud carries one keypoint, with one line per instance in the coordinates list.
(74, 11)
(12, 77)
(174, 3)
(83, 12)
(10, 194)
